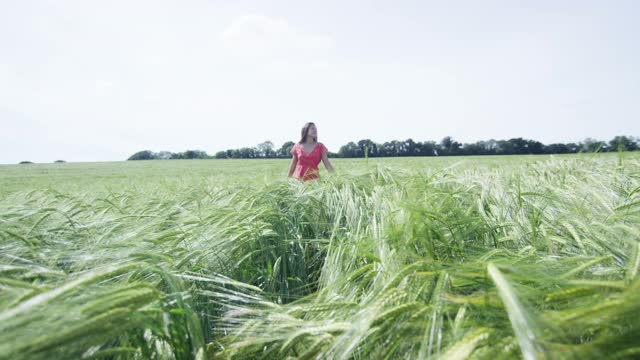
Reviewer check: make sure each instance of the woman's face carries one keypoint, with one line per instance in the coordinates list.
(313, 131)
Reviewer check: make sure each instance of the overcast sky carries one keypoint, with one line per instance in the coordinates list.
(99, 80)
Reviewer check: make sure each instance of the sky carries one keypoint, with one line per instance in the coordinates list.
(85, 80)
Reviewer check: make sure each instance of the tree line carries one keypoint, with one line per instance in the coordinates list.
(446, 147)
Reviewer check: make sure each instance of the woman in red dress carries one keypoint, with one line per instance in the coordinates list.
(307, 154)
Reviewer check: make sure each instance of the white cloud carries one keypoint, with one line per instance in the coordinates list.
(257, 35)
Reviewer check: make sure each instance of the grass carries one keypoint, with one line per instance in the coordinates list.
(529, 257)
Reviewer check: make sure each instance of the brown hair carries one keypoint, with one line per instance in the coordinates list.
(305, 130)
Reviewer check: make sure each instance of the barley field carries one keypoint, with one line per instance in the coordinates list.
(533, 257)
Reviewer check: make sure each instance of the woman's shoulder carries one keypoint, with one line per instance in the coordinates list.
(322, 147)
(294, 149)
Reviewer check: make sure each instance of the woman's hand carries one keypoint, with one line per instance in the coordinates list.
(326, 162)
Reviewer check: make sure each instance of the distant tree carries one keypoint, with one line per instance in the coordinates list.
(409, 147)
(446, 142)
(573, 147)
(232, 154)
(266, 150)
(350, 150)
(195, 154)
(449, 146)
(163, 155)
(592, 145)
(25, 162)
(221, 155)
(398, 148)
(535, 147)
(190, 154)
(491, 146)
(387, 149)
(623, 143)
(247, 153)
(59, 161)
(519, 146)
(557, 149)
(142, 155)
(505, 147)
(285, 149)
(367, 146)
(473, 149)
(426, 148)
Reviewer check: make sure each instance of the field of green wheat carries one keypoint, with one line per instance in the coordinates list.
(533, 257)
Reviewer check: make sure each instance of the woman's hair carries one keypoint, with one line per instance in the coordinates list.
(305, 130)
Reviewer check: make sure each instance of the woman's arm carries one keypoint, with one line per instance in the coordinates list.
(294, 163)
(326, 162)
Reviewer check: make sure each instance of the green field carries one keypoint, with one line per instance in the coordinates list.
(533, 257)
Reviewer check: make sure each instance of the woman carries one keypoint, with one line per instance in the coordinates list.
(307, 154)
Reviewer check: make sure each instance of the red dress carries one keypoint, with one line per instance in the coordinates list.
(307, 167)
